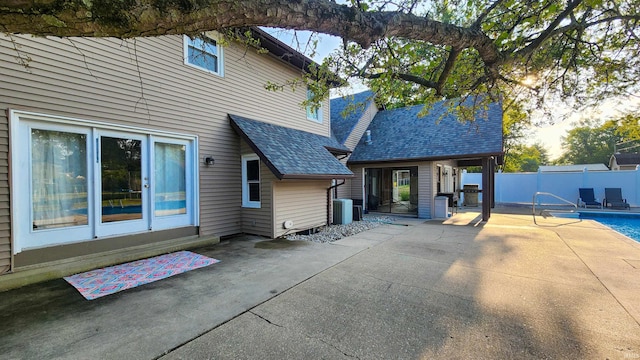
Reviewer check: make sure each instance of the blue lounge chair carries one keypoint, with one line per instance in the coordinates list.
(588, 199)
(613, 198)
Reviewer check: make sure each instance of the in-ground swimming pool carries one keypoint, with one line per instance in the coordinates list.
(624, 223)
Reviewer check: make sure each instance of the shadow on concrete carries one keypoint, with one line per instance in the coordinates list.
(280, 243)
(434, 291)
(506, 289)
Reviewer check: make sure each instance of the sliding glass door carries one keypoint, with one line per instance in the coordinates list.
(392, 190)
(123, 183)
(75, 183)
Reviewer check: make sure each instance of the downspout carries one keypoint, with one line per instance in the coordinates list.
(329, 200)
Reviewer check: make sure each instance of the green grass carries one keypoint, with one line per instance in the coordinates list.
(404, 191)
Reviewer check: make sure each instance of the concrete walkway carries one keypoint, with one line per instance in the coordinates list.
(505, 289)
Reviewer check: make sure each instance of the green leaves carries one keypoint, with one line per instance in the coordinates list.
(590, 142)
(584, 50)
(523, 158)
(362, 5)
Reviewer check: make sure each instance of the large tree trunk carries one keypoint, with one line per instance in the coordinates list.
(131, 18)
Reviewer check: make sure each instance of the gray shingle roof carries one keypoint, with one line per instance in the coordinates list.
(400, 134)
(627, 158)
(291, 153)
(342, 126)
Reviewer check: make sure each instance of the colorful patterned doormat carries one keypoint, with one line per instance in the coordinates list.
(97, 283)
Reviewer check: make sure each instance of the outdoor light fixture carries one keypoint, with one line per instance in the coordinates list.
(209, 160)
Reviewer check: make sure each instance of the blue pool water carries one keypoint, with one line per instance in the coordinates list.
(136, 209)
(627, 224)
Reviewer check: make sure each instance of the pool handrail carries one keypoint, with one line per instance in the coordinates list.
(533, 203)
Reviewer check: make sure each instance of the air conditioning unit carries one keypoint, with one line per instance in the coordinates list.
(342, 211)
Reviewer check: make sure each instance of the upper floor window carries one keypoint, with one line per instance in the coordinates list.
(203, 52)
(314, 113)
(250, 181)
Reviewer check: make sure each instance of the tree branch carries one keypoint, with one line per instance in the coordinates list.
(576, 25)
(518, 83)
(517, 30)
(406, 77)
(446, 71)
(364, 67)
(529, 49)
(125, 19)
(476, 24)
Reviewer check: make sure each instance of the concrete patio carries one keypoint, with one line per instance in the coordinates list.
(416, 289)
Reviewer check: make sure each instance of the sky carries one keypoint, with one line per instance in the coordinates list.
(550, 135)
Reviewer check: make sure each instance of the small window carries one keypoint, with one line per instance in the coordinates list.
(313, 113)
(250, 181)
(204, 53)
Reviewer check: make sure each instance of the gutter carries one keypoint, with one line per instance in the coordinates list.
(428, 158)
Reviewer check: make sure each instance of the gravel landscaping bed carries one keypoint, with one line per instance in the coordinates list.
(336, 232)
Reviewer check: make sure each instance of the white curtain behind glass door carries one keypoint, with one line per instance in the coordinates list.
(59, 179)
(170, 179)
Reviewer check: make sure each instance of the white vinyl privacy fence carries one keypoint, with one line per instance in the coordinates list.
(520, 187)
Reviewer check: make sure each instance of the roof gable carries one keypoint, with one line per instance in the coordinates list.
(355, 105)
(291, 153)
(400, 134)
(627, 158)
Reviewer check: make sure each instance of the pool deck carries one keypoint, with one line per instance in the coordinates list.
(461, 288)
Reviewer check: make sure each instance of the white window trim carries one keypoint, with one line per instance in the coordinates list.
(245, 184)
(220, 55)
(318, 111)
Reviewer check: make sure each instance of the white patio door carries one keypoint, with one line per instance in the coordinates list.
(76, 180)
(122, 183)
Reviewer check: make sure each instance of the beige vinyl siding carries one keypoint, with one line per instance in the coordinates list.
(426, 191)
(361, 126)
(144, 83)
(302, 201)
(344, 191)
(352, 189)
(167, 83)
(259, 221)
(5, 215)
(357, 182)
